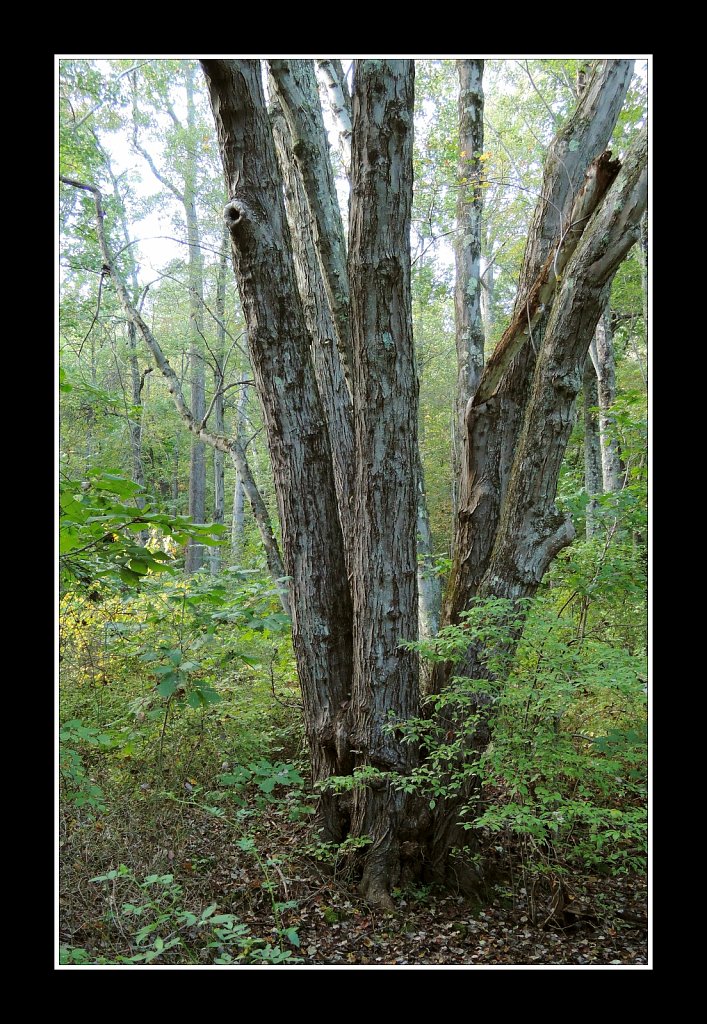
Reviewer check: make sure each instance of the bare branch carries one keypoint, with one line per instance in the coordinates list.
(547, 106)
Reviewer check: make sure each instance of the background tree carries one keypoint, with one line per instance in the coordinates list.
(331, 349)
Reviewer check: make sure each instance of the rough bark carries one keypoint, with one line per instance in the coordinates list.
(331, 381)
(339, 98)
(280, 346)
(532, 531)
(493, 426)
(295, 86)
(384, 584)
(592, 448)
(602, 355)
(467, 250)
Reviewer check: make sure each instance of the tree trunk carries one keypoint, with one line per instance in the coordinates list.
(467, 287)
(340, 106)
(297, 436)
(197, 463)
(295, 86)
(385, 678)
(531, 530)
(644, 272)
(237, 520)
(328, 368)
(602, 354)
(487, 296)
(592, 447)
(219, 425)
(428, 581)
(493, 426)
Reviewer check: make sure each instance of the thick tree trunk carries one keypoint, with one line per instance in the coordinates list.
(467, 287)
(592, 446)
(295, 86)
(331, 380)
(519, 421)
(385, 678)
(532, 531)
(297, 436)
(494, 424)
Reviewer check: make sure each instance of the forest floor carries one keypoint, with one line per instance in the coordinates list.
(272, 884)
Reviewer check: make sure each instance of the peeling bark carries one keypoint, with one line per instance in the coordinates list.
(331, 380)
(531, 530)
(296, 89)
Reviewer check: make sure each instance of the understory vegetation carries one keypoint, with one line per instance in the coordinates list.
(187, 818)
(268, 753)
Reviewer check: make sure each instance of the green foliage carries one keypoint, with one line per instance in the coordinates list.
(157, 921)
(566, 770)
(97, 529)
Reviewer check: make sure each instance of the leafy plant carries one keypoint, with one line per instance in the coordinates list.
(565, 772)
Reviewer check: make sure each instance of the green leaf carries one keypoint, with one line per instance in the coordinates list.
(208, 912)
(169, 684)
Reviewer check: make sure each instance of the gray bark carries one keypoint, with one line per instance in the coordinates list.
(331, 381)
(339, 98)
(384, 583)
(467, 287)
(494, 425)
(428, 581)
(295, 87)
(592, 447)
(532, 531)
(602, 354)
(644, 272)
(279, 345)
